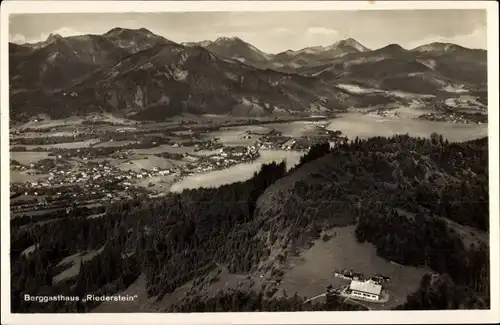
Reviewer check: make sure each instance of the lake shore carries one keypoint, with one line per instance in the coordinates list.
(351, 125)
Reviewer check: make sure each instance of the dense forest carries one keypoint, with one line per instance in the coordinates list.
(439, 292)
(410, 197)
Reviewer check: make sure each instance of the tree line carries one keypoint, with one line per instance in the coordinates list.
(401, 192)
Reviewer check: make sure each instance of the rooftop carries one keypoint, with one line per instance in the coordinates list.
(366, 286)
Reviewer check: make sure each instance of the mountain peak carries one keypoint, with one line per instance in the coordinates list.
(144, 30)
(117, 31)
(228, 39)
(438, 46)
(392, 48)
(351, 42)
(54, 37)
(114, 31)
(200, 43)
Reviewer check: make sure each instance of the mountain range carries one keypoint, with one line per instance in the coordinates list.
(141, 75)
(288, 61)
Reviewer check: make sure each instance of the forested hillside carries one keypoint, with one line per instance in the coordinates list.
(421, 202)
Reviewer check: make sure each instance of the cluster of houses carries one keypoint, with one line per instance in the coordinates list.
(93, 177)
(298, 143)
(447, 117)
(88, 182)
(223, 158)
(229, 156)
(212, 144)
(384, 113)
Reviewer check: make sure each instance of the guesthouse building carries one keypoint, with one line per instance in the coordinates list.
(366, 289)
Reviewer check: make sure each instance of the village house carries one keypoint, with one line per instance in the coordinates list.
(365, 289)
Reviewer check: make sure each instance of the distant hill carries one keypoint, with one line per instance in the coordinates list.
(237, 49)
(288, 61)
(139, 74)
(59, 61)
(456, 62)
(169, 79)
(134, 40)
(434, 69)
(314, 56)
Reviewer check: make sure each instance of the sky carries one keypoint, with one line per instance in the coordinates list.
(273, 32)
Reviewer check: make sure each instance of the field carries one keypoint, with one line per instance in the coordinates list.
(255, 129)
(148, 162)
(22, 177)
(49, 123)
(113, 144)
(161, 184)
(26, 198)
(32, 213)
(74, 261)
(46, 122)
(231, 137)
(59, 133)
(342, 251)
(164, 148)
(206, 152)
(68, 145)
(296, 129)
(29, 157)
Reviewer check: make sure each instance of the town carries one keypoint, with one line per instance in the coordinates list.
(97, 162)
(102, 180)
(454, 117)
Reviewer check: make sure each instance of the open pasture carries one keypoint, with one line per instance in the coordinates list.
(343, 251)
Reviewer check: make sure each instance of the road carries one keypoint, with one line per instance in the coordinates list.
(345, 300)
(316, 297)
(356, 302)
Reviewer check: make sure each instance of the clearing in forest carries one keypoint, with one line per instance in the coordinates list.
(313, 270)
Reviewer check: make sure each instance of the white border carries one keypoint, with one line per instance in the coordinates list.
(373, 317)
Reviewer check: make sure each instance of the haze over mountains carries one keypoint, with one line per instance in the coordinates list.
(141, 75)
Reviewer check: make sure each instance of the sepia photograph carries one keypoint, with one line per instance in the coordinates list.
(240, 158)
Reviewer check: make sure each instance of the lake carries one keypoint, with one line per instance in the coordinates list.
(352, 125)
(363, 126)
(240, 172)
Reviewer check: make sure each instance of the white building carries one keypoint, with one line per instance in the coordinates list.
(366, 289)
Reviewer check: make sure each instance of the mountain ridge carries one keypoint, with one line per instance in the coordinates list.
(225, 76)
